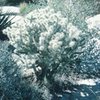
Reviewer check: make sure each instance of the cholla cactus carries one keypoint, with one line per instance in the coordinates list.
(51, 40)
(50, 28)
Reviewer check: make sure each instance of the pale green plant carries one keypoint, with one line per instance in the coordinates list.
(47, 42)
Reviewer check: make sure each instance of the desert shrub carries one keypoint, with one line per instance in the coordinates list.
(48, 43)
